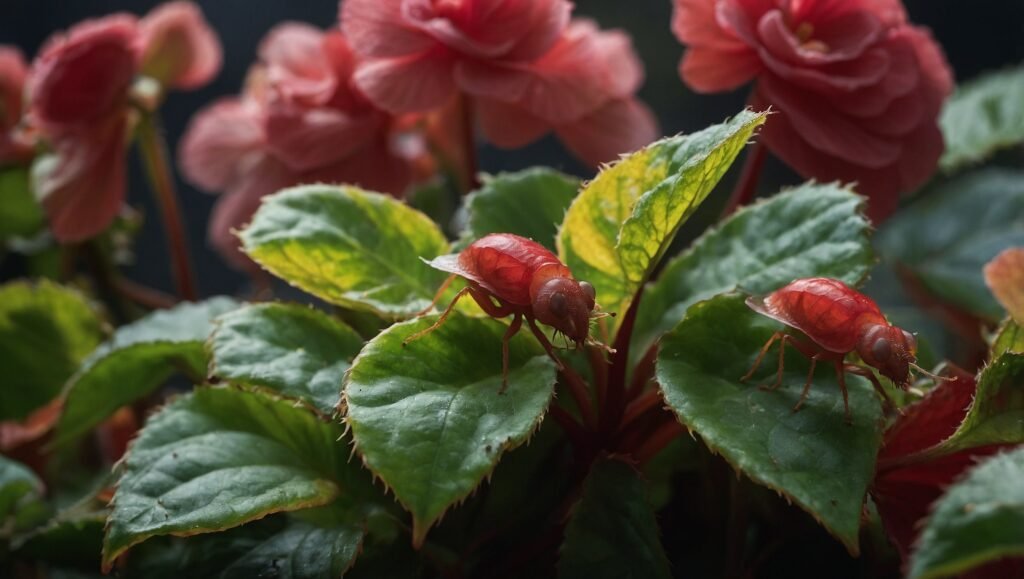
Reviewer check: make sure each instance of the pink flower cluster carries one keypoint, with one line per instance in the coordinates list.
(298, 120)
(80, 87)
(858, 89)
(527, 67)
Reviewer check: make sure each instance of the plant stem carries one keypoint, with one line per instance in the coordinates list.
(614, 404)
(578, 389)
(155, 157)
(106, 276)
(144, 295)
(746, 187)
(572, 429)
(639, 407)
(658, 441)
(643, 372)
(472, 167)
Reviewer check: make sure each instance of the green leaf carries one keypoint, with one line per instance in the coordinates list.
(349, 247)
(979, 519)
(138, 359)
(812, 230)
(983, 116)
(623, 221)
(74, 541)
(293, 349)
(612, 532)
(530, 203)
(996, 415)
(279, 546)
(945, 238)
(1009, 339)
(20, 213)
(17, 482)
(45, 332)
(221, 457)
(812, 456)
(427, 418)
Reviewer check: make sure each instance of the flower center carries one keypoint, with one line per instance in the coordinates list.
(804, 33)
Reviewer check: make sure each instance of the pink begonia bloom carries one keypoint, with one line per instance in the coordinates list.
(299, 120)
(527, 67)
(80, 87)
(178, 47)
(15, 147)
(858, 89)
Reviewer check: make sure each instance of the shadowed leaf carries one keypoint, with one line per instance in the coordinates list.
(812, 456)
(529, 203)
(290, 348)
(983, 116)
(427, 418)
(45, 332)
(613, 532)
(221, 457)
(980, 519)
(137, 360)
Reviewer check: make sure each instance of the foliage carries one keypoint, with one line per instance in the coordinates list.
(355, 431)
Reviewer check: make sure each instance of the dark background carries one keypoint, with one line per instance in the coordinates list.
(977, 35)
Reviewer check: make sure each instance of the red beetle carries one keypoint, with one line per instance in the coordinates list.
(511, 275)
(836, 320)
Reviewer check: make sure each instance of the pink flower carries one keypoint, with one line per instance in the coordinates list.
(80, 86)
(582, 89)
(416, 51)
(83, 76)
(15, 147)
(857, 87)
(299, 120)
(178, 47)
(529, 70)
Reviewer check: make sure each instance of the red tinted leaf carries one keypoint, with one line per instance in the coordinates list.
(932, 419)
(1005, 277)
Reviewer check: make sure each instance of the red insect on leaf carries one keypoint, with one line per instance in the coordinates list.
(509, 275)
(835, 320)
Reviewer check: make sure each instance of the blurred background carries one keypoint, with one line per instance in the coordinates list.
(978, 35)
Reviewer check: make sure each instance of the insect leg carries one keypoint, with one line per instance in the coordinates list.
(862, 371)
(544, 342)
(807, 385)
(760, 355)
(513, 328)
(437, 296)
(483, 299)
(841, 376)
(437, 324)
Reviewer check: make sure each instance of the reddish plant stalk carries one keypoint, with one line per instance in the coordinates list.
(580, 394)
(615, 402)
(576, 434)
(643, 372)
(155, 157)
(746, 187)
(639, 407)
(658, 441)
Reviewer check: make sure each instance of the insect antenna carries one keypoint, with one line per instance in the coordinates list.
(592, 342)
(930, 375)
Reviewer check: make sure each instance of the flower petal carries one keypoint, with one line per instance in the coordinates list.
(708, 71)
(416, 83)
(223, 142)
(85, 74)
(179, 48)
(378, 29)
(622, 126)
(236, 207)
(82, 185)
(508, 126)
(307, 138)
